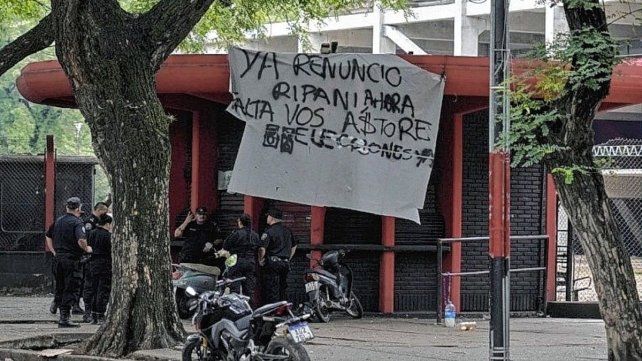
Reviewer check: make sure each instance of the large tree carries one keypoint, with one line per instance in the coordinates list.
(110, 56)
(552, 122)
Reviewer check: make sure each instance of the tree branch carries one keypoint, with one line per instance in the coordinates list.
(34, 40)
(169, 22)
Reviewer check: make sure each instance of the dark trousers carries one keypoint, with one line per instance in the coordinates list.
(244, 268)
(84, 288)
(100, 270)
(68, 274)
(275, 281)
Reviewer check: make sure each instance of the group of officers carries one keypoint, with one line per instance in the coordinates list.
(82, 262)
(271, 252)
(82, 256)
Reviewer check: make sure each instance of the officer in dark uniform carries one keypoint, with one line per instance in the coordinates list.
(100, 267)
(201, 236)
(69, 241)
(87, 294)
(243, 243)
(276, 248)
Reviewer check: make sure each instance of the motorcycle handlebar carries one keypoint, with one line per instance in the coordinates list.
(229, 281)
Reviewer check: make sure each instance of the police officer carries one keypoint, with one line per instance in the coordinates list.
(276, 248)
(201, 235)
(243, 243)
(100, 267)
(87, 294)
(69, 241)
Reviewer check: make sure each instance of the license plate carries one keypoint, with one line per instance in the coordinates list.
(300, 332)
(311, 286)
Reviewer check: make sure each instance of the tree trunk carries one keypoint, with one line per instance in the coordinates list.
(609, 262)
(585, 199)
(113, 84)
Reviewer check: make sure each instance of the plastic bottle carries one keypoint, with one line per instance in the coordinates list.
(449, 314)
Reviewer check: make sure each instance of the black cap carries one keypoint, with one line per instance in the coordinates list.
(105, 219)
(201, 210)
(275, 213)
(73, 203)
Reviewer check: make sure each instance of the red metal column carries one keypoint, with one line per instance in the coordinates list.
(196, 148)
(50, 184)
(317, 229)
(551, 231)
(252, 206)
(457, 204)
(387, 267)
(178, 197)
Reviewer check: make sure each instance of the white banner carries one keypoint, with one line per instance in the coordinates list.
(354, 131)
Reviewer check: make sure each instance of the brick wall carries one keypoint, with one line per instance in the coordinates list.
(344, 226)
(526, 219)
(229, 132)
(415, 272)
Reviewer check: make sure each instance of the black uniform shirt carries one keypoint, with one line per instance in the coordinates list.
(90, 223)
(65, 233)
(278, 241)
(196, 235)
(243, 243)
(100, 242)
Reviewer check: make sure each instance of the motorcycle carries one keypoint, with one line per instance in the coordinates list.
(329, 286)
(228, 329)
(200, 277)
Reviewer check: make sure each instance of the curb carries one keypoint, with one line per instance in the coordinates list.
(19, 322)
(28, 355)
(28, 349)
(54, 340)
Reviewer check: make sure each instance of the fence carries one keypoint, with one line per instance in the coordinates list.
(621, 161)
(23, 189)
(443, 278)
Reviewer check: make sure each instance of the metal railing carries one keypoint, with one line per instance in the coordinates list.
(441, 274)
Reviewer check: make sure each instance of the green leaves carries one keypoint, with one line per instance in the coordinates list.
(569, 172)
(23, 125)
(573, 65)
(22, 10)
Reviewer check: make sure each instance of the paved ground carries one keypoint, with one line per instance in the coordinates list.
(379, 338)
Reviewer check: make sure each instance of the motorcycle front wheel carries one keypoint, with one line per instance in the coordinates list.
(194, 350)
(182, 303)
(355, 310)
(320, 309)
(284, 346)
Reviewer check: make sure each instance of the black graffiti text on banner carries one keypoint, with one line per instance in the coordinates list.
(296, 111)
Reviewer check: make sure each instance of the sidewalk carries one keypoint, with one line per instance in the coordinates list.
(373, 339)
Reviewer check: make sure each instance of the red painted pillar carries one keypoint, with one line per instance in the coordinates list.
(50, 184)
(387, 267)
(204, 156)
(178, 197)
(317, 229)
(551, 231)
(196, 157)
(457, 171)
(252, 206)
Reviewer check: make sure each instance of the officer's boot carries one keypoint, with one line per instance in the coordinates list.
(77, 310)
(64, 321)
(86, 318)
(54, 307)
(94, 318)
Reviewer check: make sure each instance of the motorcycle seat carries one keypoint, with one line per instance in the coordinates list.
(322, 272)
(263, 310)
(210, 270)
